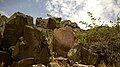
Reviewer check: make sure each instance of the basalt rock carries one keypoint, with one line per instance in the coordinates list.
(14, 27)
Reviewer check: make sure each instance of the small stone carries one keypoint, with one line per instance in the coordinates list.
(81, 65)
(38, 65)
(53, 64)
(27, 62)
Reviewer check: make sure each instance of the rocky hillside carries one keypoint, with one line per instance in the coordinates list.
(55, 43)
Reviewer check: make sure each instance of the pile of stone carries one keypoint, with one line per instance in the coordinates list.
(46, 44)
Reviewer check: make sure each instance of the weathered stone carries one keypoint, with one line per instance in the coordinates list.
(62, 61)
(5, 59)
(16, 52)
(69, 23)
(26, 62)
(3, 20)
(63, 41)
(81, 65)
(47, 23)
(32, 46)
(66, 23)
(14, 28)
(52, 23)
(41, 22)
(53, 64)
(29, 20)
(38, 65)
(74, 25)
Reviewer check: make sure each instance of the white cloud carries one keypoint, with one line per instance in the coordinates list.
(76, 10)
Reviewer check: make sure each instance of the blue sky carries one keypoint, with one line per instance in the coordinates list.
(34, 8)
(74, 10)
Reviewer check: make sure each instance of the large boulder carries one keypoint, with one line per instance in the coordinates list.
(14, 28)
(63, 41)
(32, 46)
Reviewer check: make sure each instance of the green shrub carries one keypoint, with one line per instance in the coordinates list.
(98, 33)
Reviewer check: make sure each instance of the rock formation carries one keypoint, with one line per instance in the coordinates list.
(52, 42)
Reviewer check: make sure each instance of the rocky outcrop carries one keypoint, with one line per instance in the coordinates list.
(14, 27)
(53, 43)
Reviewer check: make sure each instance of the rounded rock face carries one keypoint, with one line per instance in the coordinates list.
(63, 40)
